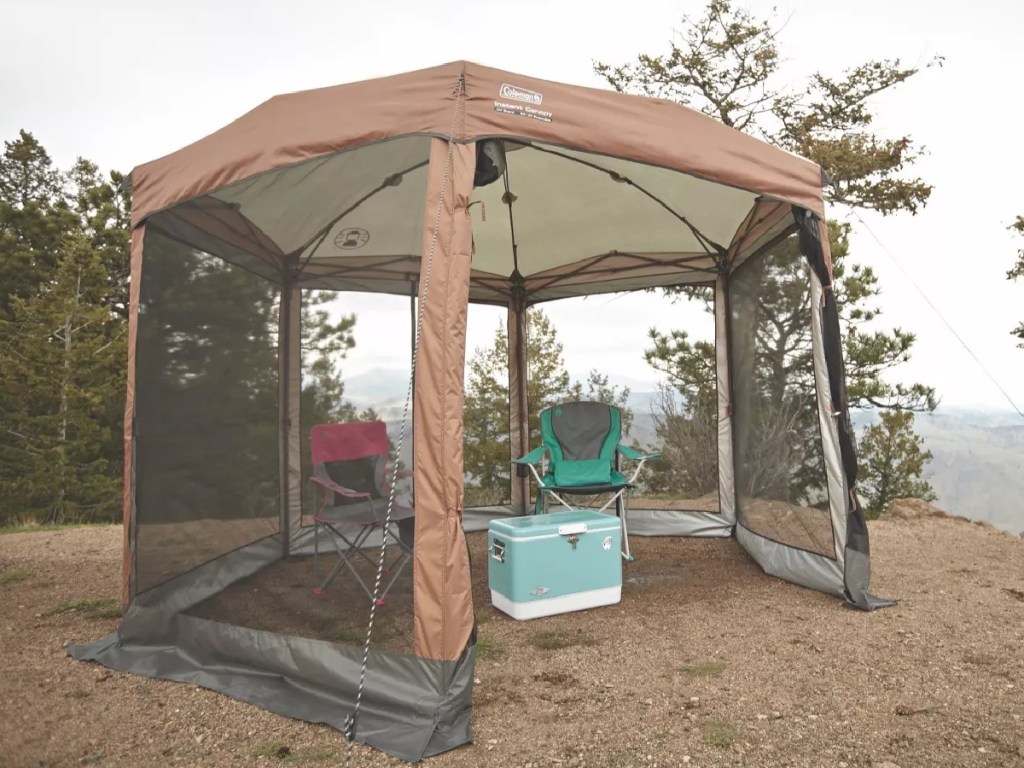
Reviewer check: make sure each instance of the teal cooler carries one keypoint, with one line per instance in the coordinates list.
(539, 565)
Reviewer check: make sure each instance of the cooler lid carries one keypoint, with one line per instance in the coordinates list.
(569, 521)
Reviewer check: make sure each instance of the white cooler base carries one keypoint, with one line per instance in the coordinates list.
(564, 604)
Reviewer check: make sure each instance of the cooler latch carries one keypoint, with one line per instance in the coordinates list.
(573, 531)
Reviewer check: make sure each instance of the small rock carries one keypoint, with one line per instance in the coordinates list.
(982, 750)
(842, 764)
(686, 758)
(776, 715)
(812, 717)
(492, 741)
(103, 674)
(762, 717)
(648, 702)
(886, 764)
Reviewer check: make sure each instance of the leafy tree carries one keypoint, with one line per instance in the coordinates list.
(1018, 271)
(892, 463)
(485, 411)
(725, 64)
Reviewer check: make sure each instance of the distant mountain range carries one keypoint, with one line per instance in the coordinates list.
(977, 469)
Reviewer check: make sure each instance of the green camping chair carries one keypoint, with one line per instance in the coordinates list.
(580, 455)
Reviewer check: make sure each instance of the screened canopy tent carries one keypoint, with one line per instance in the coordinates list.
(453, 185)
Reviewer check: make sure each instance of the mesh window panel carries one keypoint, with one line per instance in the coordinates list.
(206, 421)
(486, 453)
(596, 349)
(679, 420)
(355, 363)
(781, 485)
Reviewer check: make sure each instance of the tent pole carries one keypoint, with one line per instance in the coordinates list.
(289, 387)
(518, 401)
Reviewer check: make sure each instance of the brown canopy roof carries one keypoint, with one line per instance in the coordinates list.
(298, 127)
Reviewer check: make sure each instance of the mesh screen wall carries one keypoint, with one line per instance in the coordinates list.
(206, 423)
(781, 485)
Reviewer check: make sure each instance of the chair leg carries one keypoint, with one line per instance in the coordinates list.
(316, 550)
(623, 507)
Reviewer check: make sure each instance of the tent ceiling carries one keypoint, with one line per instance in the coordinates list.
(584, 223)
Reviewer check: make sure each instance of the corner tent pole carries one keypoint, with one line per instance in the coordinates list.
(414, 290)
(289, 391)
(442, 593)
(726, 467)
(131, 532)
(518, 398)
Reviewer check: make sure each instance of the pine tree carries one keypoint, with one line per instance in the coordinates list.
(725, 64)
(892, 462)
(34, 218)
(60, 351)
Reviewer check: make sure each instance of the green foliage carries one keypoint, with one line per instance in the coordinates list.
(63, 299)
(892, 460)
(557, 639)
(13, 576)
(1018, 271)
(488, 648)
(91, 607)
(64, 350)
(486, 408)
(720, 733)
(685, 411)
(703, 669)
(726, 64)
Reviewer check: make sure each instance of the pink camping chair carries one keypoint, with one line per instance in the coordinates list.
(351, 470)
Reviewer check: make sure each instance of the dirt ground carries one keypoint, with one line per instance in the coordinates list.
(707, 661)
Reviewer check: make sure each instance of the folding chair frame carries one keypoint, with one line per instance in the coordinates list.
(620, 498)
(364, 513)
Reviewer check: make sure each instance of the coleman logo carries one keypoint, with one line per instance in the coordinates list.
(519, 94)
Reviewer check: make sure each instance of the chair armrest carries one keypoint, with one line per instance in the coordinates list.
(634, 455)
(532, 457)
(333, 486)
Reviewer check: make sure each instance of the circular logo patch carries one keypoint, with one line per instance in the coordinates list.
(351, 238)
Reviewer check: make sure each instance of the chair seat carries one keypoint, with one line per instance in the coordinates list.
(352, 474)
(369, 512)
(618, 482)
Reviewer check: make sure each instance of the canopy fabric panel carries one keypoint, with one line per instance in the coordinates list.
(297, 127)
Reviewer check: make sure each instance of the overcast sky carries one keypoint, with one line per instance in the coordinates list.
(122, 83)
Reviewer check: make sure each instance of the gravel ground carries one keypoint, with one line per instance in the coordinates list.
(706, 662)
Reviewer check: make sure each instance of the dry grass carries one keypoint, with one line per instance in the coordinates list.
(706, 657)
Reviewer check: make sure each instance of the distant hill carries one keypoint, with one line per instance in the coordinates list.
(977, 469)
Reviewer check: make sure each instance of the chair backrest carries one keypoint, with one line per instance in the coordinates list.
(354, 455)
(581, 439)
